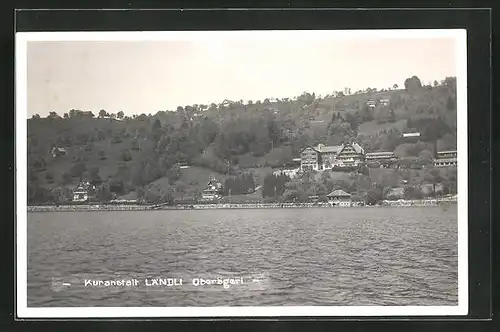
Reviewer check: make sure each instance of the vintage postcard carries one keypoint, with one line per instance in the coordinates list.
(241, 173)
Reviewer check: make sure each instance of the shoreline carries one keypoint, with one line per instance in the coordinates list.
(104, 207)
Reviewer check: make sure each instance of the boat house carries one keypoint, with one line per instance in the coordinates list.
(339, 198)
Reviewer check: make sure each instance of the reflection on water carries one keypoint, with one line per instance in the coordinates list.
(354, 256)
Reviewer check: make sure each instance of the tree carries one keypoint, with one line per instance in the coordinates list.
(180, 189)
(413, 84)
(66, 116)
(433, 176)
(374, 196)
(49, 177)
(120, 115)
(451, 104)
(451, 83)
(102, 155)
(102, 113)
(53, 115)
(78, 169)
(104, 193)
(66, 178)
(412, 192)
(452, 181)
(126, 156)
(392, 116)
(94, 175)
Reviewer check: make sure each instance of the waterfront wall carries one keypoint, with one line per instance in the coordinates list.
(86, 208)
(90, 208)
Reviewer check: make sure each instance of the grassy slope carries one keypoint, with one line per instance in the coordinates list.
(108, 166)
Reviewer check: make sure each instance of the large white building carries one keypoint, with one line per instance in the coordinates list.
(446, 159)
(324, 157)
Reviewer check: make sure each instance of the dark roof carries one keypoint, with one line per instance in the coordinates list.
(331, 148)
(309, 146)
(355, 146)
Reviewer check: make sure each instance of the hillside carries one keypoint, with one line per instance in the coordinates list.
(127, 156)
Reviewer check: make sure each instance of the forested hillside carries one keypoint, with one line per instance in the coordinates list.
(131, 155)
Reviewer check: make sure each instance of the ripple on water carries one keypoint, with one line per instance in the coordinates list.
(310, 257)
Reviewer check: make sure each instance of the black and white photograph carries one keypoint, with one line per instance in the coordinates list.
(241, 173)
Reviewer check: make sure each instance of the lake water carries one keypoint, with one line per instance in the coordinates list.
(312, 256)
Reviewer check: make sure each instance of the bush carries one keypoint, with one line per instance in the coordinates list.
(411, 192)
(49, 177)
(126, 156)
(66, 178)
(102, 155)
(78, 169)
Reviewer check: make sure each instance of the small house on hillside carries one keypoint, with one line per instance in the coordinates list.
(371, 103)
(57, 151)
(83, 192)
(339, 198)
(213, 191)
(384, 101)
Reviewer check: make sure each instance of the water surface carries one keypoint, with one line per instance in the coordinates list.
(312, 256)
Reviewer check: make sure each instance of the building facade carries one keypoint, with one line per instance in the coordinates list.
(339, 198)
(213, 191)
(446, 159)
(381, 159)
(309, 159)
(323, 157)
(83, 192)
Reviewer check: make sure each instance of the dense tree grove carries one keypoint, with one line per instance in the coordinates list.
(238, 185)
(123, 154)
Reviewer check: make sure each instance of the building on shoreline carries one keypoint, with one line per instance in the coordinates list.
(339, 198)
(323, 157)
(213, 191)
(446, 159)
(83, 192)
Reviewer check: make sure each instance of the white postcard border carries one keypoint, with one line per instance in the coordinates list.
(23, 311)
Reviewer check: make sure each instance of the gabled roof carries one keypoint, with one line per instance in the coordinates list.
(83, 186)
(354, 145)
(309, 146)
(339, 193)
